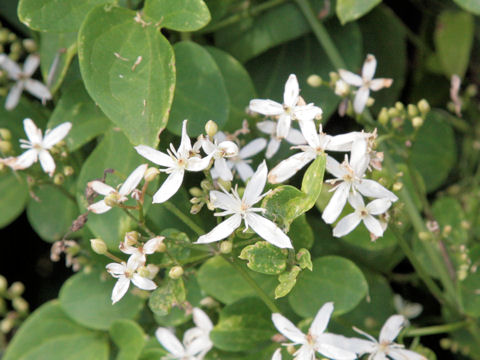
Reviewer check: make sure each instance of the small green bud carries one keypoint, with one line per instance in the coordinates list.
(423, 106)
(397, 122)
(151, 174)
(131, 237)
(471, 90)
(143, 272)
(30, 45)
(314, 80)
(424, 235)
(4, 35)
(20, 305)
(58, 179)
(12, 37)
(3, 307)
(417, 121)
(383, 116)
(226, 247)
(6, 325)
(333, 76)
(397, 186)
(370, 101)
(196, 208)
(5, 146)
(211, 128)
(227, 185)
(393, 112)
(412, 110)
(16, 289)
(99, 246)
(161, 248)
(399, 106)
(446, 343)
(16, 47)
(3, 284)
(195, 191)
(68, 171)
(5, 134)
(175, 272)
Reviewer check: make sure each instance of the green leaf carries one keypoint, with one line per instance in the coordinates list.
(333, 279)
(265, 258)
(453, 41)
(114, 152)
(219, 279)
(86, 299)
(200, 92)
(469, 294)
(56, 53)
(239, 86)
(171, 293)
(78, 108)
(178, 244)
(472, 6)
(48, 322)
(313, 181)
(433, 152)
(284, 204)
(287, 281)
(129, 337)
(52, 213)
(304, 259)
(55, 16)
(179, 15)
(243, 325)
(14, 190)
(301, 233)
(129, 71)
(448, 212)
(350, 10)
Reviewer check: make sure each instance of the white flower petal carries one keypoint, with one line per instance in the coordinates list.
(403, 354)
(380, 83)
(295, 137)
(26, 159)
(228, 148)
(334, 168)
(198, 164)
(100, 187)
(14, 95)
(169, 187)
(202, 320)
(10, 66)
(307, 112)
(283, 125)
(334, 352)
(37, 89)
(371, 188)
(346, 225)
(350, 78)
(373, 225)
(267, 126)
(306, 352)
(222, 230)
(266, 107)
(31, 64)
(155, 156)
(133, 180)
(356, 200)
(185, 143)
(369, 67)
(116, 269)
(272, 148)
(244, 170)
(358, 157)
(99, 207)
(223, 170)
(336, 203)
(268, 230)
(255, 185)
(152, 245)
(361, 98)
(34, 134)
(252, 148)
(287, 329)
(277, 355)
(170, 342)
(291, 92)
(223, 201)
(310, 133)
(379, 206)
(47, 162)
(391, 328)
(120, 289)
(289, 167)
(56, 135)
(320, 323)
(344, 142)
(143, 283)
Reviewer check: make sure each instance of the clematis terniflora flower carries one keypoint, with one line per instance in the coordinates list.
(221, 151)
(139, 253)
(294, 137)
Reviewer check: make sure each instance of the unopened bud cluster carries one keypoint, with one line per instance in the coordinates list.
(19, 308)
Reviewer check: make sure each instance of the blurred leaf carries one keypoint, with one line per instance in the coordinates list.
(265, 258)
(129, 337)
(350, 10)
(453, 41)
(304, 259)
(76, 106)
(243, 325)
(14, 190)
(449, 212)
(86, 299)
(54, 15)
(469, 294)
(169, 294)
(178, 15)
(200, 92)
(129, 70)
(287, 281)
(301, 233)
(333, 279)
(472, 6)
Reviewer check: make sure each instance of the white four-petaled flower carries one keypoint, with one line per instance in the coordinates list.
(241, 162)
(242, 209)
(38, 146)
(221, 151)
(269, 127)
(138, 254)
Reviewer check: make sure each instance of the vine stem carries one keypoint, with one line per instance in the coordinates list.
(265, 298)
(185, 219)
(140, 224)
(438, 329)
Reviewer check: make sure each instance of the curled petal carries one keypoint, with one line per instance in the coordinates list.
(133, 180)
(346, 225)
(47, 162)
(268, 231)
(185, 143)
(155, 156)
(120, 289)
(266, 107)
(228, 148)
(152, 245)
(222, 230)
(99, 207)
(361, 98)
(198, 164)
(56, 135)
(169, 187)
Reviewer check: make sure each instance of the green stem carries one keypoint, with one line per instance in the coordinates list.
(438, 329)
(139, 223)
(322, 35)
(265, 298)
(185, 219)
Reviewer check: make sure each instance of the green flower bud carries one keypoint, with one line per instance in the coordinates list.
(30, 45)
(195, 191)
(4, 35)
(5, 146)
(3, 284)
(412, 110)
(314, 80)
(417, 121)
(393, 112)
(175, 272)
(131, 237)
(226, 247)
(16, 47)
(383, 116)
(423, 106)
(58, 179)
(471, 90)
(16, 289)
(399, 106)
(227, 185)
(68, 171)
(99, 246)
(5, 134)
(151, 174)
(20, 305)
(211, 128)
(161, 248)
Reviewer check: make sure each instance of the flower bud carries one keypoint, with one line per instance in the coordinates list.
(447, 229)
(4, 35)
(16, 289)
(161, 248)
(175, 272)
(5, 146)
(399, 106)
(20, 305)
(143, 272)
(58, 179)
(211, 128)
(209, 302)
(417, 121)
(196, 208)
(370, 101)
(227, 185)
(3, 284)
(341, 88)
(423, 106)
(424, 235)
(466, 225)
(195, 191)
(333, 76)
(68, 171)
(471, 90)
(383, 116)
(12, 37)
(412, 110)
(314, 80)
(131, 238)
(392, 112)
(151, 174)
(397, 122)
(6, 325)
(3, 307)
(30, 45)
(111, 199)
(206, 185)
(98, 246)
(226, 247)
(397, 186)
(291, 349)
(5, 134)
(16, 47)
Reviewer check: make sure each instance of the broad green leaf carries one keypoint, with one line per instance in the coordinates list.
(243, 325)
(448, 212)
(219, 279)
(472, 6)
(48, 322)
(78, 108)
(469, 294)
(433, 152)
(178, 243)
(350, 10)
(114, 152)
(284, 204)
(301, 233)
(333, 279)
(14, 190)
(265, 258)
(287, 281)
(305, 57)
(179, 15)
(239, 86)
(453, 41)
(129, 71)
(129, 337)
(56, 53)
(200, 93)
(51, 213)
(169, 294)
(86, 299)
(313, 181)
(54, 15)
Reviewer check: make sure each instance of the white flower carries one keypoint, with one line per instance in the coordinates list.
(23, 80)
(241, 162)
(139, 253)
(269, 127)
(242, 209)
(112, 195)
(125, 272)
(349, 178)
(289, 110)
(365, 83)
(176, 162)
(316, 340)
(277, 355)
(220, 151)
(362, 213)
(379, 350)
(406, 308)
(196, 341)
(39, 145)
